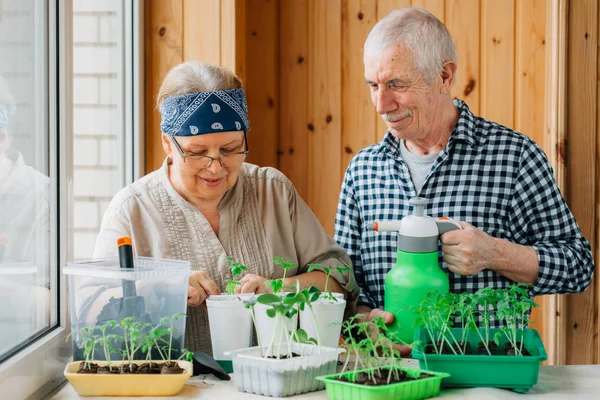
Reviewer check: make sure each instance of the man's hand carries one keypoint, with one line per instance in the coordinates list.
(252, 283)
(370, 314)
(468, 251)
(200, 287)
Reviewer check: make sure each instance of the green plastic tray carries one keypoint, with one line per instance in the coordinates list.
(412, 390)
(518, 373)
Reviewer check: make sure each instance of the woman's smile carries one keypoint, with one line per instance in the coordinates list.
(211, 182)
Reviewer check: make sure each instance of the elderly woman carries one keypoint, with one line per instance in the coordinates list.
(205, 203)
(24, 206)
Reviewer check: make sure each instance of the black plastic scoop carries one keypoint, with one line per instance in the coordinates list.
(205, 364)
(130, 305)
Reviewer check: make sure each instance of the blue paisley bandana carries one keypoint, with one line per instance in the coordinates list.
(3, 117)
(205, 112)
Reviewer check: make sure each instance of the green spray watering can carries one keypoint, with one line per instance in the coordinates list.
(417, 271)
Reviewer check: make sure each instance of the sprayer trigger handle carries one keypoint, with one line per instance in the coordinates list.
(446, 224)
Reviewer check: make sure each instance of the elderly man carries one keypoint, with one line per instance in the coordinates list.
(497, 182)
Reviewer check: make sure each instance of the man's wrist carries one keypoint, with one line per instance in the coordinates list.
(514, 261)
(495, 261)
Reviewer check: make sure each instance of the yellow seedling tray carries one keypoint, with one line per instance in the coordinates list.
(127, 384)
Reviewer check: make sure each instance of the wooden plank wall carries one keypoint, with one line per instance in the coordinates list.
(164, 49)
(301, 62)
(582, 169)
(181, 30)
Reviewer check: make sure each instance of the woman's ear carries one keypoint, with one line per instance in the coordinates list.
(167, 145)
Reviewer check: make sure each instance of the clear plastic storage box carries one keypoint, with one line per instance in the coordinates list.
(153, 294)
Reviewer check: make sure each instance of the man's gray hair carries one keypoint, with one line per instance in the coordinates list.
(196, 76)
(421, 32)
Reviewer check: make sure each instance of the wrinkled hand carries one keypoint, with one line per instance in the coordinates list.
(252, 283)
(468, 251)
(388, 318)
(200, 287)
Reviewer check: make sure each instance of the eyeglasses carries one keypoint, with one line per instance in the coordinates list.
(231, 160)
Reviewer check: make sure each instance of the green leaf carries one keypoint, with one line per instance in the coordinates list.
(271, 312)
(302, 335)
(290, 313)
(342, 269)
(276, 285)
(231, 285)
(313, 290)
(312, 267)
(236, 269)
(268, 298)
(291, 299)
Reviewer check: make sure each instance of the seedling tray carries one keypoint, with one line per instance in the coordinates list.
(410, 390)
(518, 373)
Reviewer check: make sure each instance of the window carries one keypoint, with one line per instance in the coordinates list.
(28, 231)
(69, 96)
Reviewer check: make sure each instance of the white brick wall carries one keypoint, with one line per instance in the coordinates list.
(96, 6)
(91, 59)
(86, 214)
(86, 152)
(96, 121)
(97, 117)
(86, 90)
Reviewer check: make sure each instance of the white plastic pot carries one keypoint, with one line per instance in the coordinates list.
(283, 377)
(230, 325)
(329, 315)
(266, 326)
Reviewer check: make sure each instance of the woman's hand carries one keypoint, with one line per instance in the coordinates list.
(252, 284)
(200, 287)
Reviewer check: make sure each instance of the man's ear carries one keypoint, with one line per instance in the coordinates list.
(447, 75)
(167, 145)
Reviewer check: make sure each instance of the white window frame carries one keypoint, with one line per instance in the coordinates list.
(134, 91)
(38, 369)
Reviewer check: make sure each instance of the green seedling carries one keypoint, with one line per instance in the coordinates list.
(487, 300)
(284, 307)
(249, 304)
(374, 352)
(328, 271)
(236, 269)
(513, 307)
(300, 336)
(153, 339)
(167, 323)
(352, 345)
(437, 313)
(465, 309)
(89, 345)
(186, 354)
(277, 285)
(134, 336)
(107, 340)
(133, 339)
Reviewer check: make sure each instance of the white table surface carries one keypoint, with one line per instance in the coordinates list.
(554, 382)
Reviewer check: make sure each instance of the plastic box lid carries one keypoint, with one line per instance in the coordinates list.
(144, 268)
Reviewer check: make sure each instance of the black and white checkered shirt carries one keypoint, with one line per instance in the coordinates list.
(488, 175)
